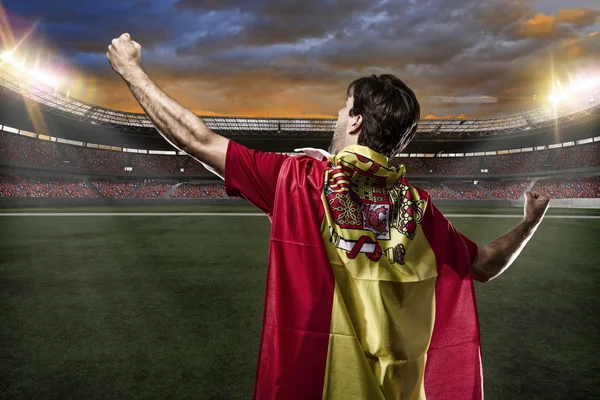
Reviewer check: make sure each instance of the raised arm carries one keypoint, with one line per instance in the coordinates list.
(495, 257)
(181, 127)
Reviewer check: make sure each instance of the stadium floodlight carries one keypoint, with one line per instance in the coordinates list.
(584, 84)
(579, 89)
(7, 56)
(557, 97)
(41, 76)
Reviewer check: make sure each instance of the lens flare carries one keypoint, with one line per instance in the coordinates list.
(579, 89)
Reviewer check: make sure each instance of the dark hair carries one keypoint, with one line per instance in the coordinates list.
(390, 112)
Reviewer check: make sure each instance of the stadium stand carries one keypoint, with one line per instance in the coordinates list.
(34, 151)
(465, 190)
(40, 152)
(12, 185)
(111, 189)
(436, 190)
(15, 185)
(196, 191)
(153, 189)
(507, 189)
(581, 156)
(414, 165)
(570, 188)
(165, 164)
(94, 160)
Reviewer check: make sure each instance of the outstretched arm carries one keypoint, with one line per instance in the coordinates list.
(181, 127)
(495, 257)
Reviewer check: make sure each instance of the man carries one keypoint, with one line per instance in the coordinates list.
(369, 287)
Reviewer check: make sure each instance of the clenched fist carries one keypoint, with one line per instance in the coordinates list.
(124, 55)
(536, 205)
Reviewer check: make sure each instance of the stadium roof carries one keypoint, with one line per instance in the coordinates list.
(58, 103)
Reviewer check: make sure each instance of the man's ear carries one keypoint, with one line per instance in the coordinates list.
(355, 124)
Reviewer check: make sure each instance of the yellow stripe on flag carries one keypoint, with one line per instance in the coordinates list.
(384, 308)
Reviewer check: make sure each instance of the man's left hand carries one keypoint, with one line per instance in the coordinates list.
(124, 56)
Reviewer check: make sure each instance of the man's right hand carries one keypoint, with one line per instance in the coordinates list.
(124, 56)
(536, 205)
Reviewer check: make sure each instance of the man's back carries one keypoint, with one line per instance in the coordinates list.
(369, 289)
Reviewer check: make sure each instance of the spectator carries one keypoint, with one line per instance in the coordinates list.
(570, 188)
(466, 190)
(111, 189)
(41, 152)
(12, 185)
(153, 190)
(436, 191)
(505, 190)
(196, 191)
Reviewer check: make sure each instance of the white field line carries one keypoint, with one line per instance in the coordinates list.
(158, 214)
(520, 216)
(128, 214)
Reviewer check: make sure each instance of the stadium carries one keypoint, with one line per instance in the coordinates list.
(137, 274)
(492, 160)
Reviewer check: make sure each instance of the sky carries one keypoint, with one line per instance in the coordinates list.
(277, 58)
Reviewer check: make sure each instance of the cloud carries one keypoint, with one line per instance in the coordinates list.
(581, 49)
(543, 25)
(79, 26)
(578, 16)
(540, 26)
(275, 58)
(209, 5)
(502, 16)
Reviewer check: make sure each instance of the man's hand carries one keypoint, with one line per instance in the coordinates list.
(124, 56)
(536, 205)
(178, 125)
(495, 257)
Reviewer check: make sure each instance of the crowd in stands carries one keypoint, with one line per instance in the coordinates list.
(95, 160)
(439, 165)
(569, 157)
(12, 185)
(111, 189)
(507, 189)
(570, 188)
(28, 150)
(580, 156)
(153, 190)
(197, 191)
(519, 162)
(465, 190)
(18, 185)
(453, 165)
(436, 190)
(162, 164)
(41, 152)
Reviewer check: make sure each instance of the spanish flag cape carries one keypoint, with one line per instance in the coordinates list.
(369, 291)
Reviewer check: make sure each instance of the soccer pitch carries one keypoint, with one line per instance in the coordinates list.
(168, 304)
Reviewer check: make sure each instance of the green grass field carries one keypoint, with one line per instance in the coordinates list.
(170, 307)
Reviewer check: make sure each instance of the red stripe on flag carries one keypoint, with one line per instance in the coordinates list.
(453, 369)
(346, 168)
(340, 177)
(300, 288)
(335, 186)
(373, 169)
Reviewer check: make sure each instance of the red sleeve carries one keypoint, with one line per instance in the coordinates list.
(449, 235)
(471, 246)
(252, 174)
